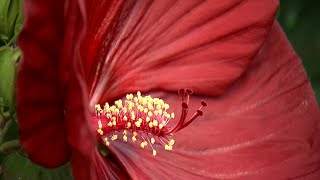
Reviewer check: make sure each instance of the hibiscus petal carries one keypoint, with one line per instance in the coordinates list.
(203, 45)
(53, 118)
(100, 14)
(266, 126)
(40, 110)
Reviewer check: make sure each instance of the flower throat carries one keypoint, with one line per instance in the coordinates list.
(144, 119)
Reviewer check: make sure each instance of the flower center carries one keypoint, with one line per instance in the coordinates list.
(144, 119)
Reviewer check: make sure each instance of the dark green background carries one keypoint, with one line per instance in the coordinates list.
(300, 20)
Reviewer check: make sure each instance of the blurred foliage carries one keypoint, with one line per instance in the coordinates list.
(17, 167)
(14, 164)
(300, 21)
(10, 21)
(8, 59)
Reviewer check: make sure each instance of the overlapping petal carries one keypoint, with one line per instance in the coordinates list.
(40, 106)
(52, 98)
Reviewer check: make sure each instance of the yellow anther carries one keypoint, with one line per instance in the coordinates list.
(150, 124)
(128, 124)
(129, 96)
(99, 124)
(152, 140)
(143, 144)
(114, 137)
(125, 138)
(108, 115)
(106, 141)
(112, 108)
(168, 148)
(171, 142)
(172, 115)
(147, 119)
(130, 105)
(118, 103)
(166, 106)
(100, 132)
(150, 107)
(135, 133)
(137, 123)
(134, 138)
(116, 111)
(161, 102)
(155, 123)
(144, 101)
(148, 97)
(106, 105)
(140, 110)
(97, 107)
(133, 117)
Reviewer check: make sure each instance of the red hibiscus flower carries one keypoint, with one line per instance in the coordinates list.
(262, 120)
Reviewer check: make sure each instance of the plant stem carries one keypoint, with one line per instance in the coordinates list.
(9, 145)
(4, 131)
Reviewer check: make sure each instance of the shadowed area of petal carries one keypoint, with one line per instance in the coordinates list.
(51, 94)
(105, 169)
(203, 45)
(266, 126)
(40, 110)
(80, 135)
(100, 15)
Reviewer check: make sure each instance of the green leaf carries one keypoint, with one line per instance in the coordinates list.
(10, 20)
(17, 167)
(8, 59)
